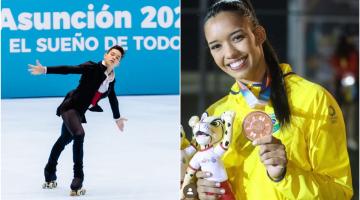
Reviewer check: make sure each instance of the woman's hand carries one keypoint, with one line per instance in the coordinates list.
(273, 156)
(121, 123)
(37, 69)
(208, 190)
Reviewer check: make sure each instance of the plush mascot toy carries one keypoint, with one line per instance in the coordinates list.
(208, 131)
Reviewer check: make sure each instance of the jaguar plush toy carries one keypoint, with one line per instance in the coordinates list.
(213, 135)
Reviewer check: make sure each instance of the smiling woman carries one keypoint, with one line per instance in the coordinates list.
(244, 51)
(305, 154)
(235, 47)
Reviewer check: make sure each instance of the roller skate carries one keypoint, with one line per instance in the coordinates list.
(76, 187)
(50, 178)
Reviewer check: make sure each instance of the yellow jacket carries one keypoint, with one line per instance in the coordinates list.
(318, 163)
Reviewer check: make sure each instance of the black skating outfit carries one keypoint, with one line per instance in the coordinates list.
(72, 110)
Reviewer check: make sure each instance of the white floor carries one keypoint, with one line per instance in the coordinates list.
(140, 163)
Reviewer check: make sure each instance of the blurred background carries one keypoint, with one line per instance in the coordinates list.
(318, 38)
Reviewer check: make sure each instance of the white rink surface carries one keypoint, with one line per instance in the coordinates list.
(141, 163)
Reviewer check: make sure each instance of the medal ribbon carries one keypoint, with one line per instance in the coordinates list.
(264, 94)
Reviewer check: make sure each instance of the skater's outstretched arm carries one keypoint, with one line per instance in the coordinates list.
(39, 69)
(114, 104)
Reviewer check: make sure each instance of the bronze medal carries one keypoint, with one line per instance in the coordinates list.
(257, 124)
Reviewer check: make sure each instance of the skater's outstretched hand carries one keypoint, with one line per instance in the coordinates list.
(121, 123)
(37, 69)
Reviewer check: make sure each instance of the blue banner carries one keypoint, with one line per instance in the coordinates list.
(73, 32)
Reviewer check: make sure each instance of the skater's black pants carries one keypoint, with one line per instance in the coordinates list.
(71, 130)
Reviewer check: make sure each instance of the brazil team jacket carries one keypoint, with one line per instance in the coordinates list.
(315, 141)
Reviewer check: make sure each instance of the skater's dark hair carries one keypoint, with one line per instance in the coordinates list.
(278, 94)
(119, 48)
